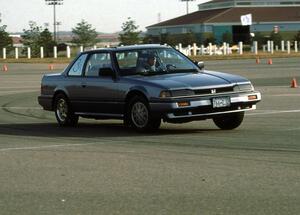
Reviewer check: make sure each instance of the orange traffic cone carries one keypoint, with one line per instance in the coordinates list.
(294, 83)
(257, 60)
(270, 61)
(51, 67)
(5, 68)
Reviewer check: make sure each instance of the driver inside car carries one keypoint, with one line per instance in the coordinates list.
(148, 65)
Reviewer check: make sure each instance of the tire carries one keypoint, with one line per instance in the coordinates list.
(63, 112)
(139, 117)
(229, 121)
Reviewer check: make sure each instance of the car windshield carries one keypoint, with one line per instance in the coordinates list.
(153, 62)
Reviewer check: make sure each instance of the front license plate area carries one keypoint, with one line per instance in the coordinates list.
(221, 102)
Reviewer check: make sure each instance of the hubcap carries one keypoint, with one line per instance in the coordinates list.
(139, 115)
(62, 110)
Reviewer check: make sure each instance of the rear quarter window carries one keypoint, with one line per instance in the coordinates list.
(77, 68)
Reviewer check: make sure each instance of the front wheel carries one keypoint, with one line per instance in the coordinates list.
(139, 116)
(63, 112)
(229, 121)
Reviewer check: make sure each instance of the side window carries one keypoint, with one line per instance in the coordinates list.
(76, 69)
(96, 62)
(127, 62)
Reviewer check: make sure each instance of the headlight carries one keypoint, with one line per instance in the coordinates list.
(176, 93)
(165, 94)
(244, 87)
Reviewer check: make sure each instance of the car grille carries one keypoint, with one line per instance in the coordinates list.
(213, 90)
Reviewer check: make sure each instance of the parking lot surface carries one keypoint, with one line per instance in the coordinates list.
(100, 167)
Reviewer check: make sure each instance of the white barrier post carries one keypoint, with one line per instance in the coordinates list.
(68, 52)
(16, 53)
(240, 48)
(42, 52)
(180, 47)
(28, 52)
(81, 48)
(296, 46)
(210, 48)
(228, 49)
(215, 50)
(289, 47)
(202, 50)
(264, 48)
(272, 47)
(224, 49)
(255, 47)
(269, 46)
(282, 46)
(4, 53)
(95, 47)
(189, 50)
(194, 49)
(55, 52)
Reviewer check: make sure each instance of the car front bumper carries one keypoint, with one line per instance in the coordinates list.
(201, 107)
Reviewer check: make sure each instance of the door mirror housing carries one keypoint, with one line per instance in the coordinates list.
(199, 64)
(107, 72)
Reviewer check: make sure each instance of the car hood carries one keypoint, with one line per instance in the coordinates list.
(192, 80)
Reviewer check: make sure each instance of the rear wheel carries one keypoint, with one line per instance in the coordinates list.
(63, 112)
(229, 121)
(138, 115)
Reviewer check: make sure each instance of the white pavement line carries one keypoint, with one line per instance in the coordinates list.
(22, 108)
(63, 145)
(21, 87)
(45, 147)
(284, 95)
(273, 112)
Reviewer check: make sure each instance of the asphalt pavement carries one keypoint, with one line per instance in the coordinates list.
(100, 167)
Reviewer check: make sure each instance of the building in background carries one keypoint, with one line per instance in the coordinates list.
(219, 18)
(17, 40)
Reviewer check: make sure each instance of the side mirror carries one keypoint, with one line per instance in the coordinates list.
(107, 72)
(200, 64)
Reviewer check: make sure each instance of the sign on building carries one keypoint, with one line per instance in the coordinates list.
(246, 19)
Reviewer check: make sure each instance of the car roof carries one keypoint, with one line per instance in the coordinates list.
(128, 48)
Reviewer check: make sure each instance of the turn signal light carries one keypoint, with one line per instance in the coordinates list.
(183, 104)
(252, 97)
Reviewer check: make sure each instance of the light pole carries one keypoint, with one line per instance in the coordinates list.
(187, 5)
(54, 3)
(57, 34)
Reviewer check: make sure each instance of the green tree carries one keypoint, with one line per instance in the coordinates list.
(130, 35)
(297, 37)
(150, 39)
(5, 39)
(227, 37)
(276, 37)
(209, 39)
(31, 38)
(36, 37)
(84, 34)
(168, 39)
(47, 42)
(260, 38)
(187, 39)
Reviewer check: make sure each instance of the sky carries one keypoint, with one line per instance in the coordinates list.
(106, 16)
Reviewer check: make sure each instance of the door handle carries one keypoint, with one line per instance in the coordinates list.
(83, 85)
